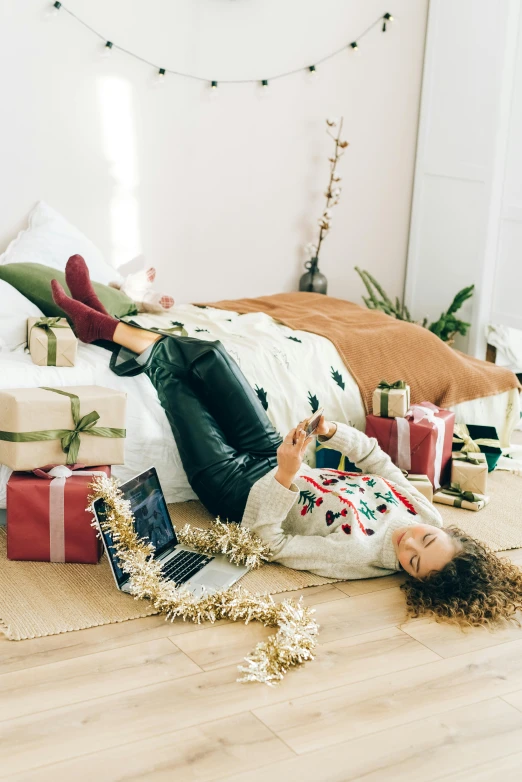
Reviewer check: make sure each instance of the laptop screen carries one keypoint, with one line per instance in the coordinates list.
(151, 517)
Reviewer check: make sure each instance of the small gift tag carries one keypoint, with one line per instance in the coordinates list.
(391, 400)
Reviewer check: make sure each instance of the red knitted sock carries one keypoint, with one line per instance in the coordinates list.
(79, 281)
(88, 324)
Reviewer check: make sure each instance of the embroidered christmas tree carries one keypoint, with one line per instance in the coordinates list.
(262, 396)
(366, 510)
(338, 378)
(314, 402)
(309, 500)
(388, 497)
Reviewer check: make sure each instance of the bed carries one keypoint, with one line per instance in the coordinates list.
(292, 372)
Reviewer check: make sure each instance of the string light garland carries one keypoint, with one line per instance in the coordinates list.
(296, 637)
(109, 46)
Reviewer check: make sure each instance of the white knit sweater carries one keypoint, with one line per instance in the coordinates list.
(338, 524)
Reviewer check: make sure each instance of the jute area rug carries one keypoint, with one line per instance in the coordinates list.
(39, 598)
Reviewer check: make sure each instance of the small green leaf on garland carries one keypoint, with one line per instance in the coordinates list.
(262, 396)
(338, 378)
(314, 402)
(178, 324)
(201, 306)
(207, 331)
(294, 339)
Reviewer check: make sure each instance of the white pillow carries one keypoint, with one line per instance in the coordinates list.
(14, 311)
(51, 240)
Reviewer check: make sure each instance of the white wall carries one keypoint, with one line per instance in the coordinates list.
(221, 195)
(467, 209)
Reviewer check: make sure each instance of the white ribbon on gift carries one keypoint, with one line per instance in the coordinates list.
(59, 475)
(418, 413)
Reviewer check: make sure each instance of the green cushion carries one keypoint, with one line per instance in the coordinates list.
(33, 280)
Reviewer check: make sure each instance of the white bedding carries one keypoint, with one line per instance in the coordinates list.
(293, 371)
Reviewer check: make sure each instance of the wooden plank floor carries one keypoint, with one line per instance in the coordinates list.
(384, 700)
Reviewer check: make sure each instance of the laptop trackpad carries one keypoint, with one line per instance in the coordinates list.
(214, 577)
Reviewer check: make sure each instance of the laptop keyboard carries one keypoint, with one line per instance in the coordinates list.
(184, 565)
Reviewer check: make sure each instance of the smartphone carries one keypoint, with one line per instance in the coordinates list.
(311, 424)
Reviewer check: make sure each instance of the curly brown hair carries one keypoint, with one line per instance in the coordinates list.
(475, 588)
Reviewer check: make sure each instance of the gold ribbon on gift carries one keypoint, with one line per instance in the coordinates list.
(462, 435)
(385, 389)
(460, 496)
(47, 325)
(70, 438)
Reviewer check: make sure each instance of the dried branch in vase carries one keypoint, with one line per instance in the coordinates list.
(313, 280)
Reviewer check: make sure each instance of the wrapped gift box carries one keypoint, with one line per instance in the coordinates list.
(391, 400)
(51, 342)
(82, 424)
(423, 484)
(478, 439)
(467, 500)
(46, 516)
(420, 443)
(469, 471)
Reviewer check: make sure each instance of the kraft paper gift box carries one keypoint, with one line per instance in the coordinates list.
(46, 516)
(423, 484)
(73, 424)
(420, 443)
(474, 438)
(469, 471)
(391, 400)
(51, 342)
(467, 500)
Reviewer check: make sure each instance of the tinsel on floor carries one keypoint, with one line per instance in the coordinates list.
(292, 644)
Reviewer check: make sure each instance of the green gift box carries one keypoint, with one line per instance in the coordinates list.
(474, 438)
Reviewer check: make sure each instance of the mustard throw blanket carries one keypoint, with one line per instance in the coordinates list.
(375, 346)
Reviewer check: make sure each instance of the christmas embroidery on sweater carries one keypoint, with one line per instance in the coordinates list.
(379, 497)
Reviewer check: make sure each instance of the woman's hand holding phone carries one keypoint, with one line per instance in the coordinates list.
(290, 455)
(291, 451)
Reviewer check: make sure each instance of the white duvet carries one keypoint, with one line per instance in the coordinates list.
(293, 373)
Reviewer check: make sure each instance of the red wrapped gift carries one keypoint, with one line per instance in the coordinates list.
(46, 516)
(419, 443)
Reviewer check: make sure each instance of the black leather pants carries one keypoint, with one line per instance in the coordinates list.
(225, 439)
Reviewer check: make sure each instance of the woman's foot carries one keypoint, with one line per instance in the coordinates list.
(79, 282)
(88, 324)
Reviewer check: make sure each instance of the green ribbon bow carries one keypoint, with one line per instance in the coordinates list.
(70, 438)
(47, 325)
(465, 456)
(459, 495)
(462, 435)
(385, 388)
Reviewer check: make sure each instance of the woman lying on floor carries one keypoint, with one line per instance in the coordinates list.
(337, 524)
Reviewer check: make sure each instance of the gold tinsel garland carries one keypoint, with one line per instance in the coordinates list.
(295, 640)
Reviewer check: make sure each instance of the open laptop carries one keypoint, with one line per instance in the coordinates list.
(194, 571)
